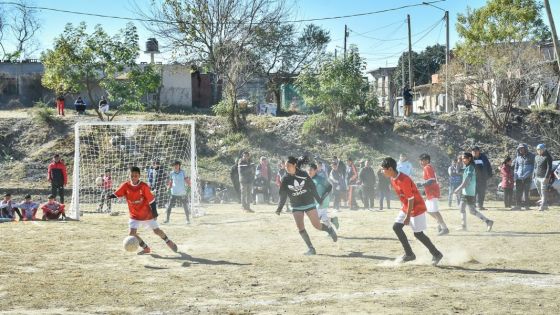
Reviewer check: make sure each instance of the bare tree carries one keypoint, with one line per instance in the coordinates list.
(502, 80)
(19, 25)
(218, 35)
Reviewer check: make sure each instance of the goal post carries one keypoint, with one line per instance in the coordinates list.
(107, 150)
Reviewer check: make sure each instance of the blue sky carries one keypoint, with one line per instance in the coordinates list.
(380, 37)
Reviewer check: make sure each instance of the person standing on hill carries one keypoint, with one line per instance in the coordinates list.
(60, 105)
(57, 176)
(246, 171)
(408, 100)
(234, 176)
(541, 174)
(523, 168)
(483, 170)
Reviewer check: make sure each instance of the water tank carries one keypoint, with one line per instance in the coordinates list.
(152, 45)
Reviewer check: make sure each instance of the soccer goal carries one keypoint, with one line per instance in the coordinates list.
(105, 149)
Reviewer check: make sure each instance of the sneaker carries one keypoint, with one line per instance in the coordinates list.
(462, 228)
(333, 235)
(188, 222)
(310, 252)
(166, 221)
(541, 208)
(482, 209)
(489, 225)
(172, 245)
(516, 208)
(380, 210)
(249, 211)
(406, 258)
(335, 222)
(443, 232)
(144, 251)
(439, 229)
(527, 208)
(436, 259)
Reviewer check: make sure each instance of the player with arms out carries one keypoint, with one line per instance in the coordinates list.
(299, 187)
(142, 209)
(413, 211)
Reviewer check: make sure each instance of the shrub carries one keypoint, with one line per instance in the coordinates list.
(44, 115)
(315, 123)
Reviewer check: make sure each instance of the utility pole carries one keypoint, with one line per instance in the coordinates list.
(409, 53)
(345, 37)
(447, 109)
(553, 29)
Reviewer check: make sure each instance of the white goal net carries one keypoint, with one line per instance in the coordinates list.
(105, 151)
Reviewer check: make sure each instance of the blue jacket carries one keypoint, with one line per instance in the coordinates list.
(523, 165)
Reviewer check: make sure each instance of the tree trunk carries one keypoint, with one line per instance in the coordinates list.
(93, 102)
(277, 99)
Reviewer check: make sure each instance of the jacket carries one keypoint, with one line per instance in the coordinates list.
(56, 173)
(482, 167)
(506, 172)
(523, 165)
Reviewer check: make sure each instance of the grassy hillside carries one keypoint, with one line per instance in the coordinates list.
(29, 138)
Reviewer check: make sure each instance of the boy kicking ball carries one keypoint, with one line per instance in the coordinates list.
(142, 209)
(413, 211)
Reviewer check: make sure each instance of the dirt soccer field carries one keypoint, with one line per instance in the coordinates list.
(237, 263)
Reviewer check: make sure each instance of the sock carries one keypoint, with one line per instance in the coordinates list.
(328, 229)
(398, 228)
(168, 214)
(427, 242)
(18, 213)
(443, 225)
(143, 245)
(306, 238)
(165, 239)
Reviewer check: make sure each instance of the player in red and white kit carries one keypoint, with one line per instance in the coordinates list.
(432, 191)
(413, 211)
(52, 210)
(142, 209)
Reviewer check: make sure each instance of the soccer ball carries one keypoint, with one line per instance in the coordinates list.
(130, 243)
(99, 181)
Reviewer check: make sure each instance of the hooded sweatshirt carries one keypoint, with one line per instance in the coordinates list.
(523, 165)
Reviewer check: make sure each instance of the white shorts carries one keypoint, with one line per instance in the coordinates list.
(104, 109)
(417, 223)
(432, 205)
(150, 224)
(323, 215)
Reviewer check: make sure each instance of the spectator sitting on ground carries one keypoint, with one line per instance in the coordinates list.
(28, 208)
(80, 106)
(7, 208)
(52, 210)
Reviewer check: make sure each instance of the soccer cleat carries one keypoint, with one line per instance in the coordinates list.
(248, 210)
(406, 258)
(489, 225)
(335, 222)
(443, 232)
(436, 259)
(171, 245)
(310, 252)
(333, 235)
(165, 222)
(462, 228)
(144, 251)
(188, 222)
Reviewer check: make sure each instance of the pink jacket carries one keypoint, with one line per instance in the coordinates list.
(506, 172)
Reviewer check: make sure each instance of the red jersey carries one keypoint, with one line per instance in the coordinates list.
(405, 188)
(432, 190)
(138, 198)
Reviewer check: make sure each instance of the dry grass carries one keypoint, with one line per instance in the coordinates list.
(231, 262)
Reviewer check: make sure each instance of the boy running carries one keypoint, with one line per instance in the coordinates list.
(432, 191)
(323, 189)
(142, 209)
(412, 212)
(468, 190)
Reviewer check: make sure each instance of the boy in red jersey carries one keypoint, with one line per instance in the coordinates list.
(142, 209)
(432, 191)
(413, 211)
(52, 210)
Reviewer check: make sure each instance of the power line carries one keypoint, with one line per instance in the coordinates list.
(173, 22)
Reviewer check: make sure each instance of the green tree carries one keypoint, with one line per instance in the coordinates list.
(80, 61)
(424, 64)
(338, 87)
(498, 58)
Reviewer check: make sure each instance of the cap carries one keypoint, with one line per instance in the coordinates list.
(541, 147)
(28, 196)
(51, 196)
(521, 145)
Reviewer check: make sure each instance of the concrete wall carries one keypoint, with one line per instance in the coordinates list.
(177, 86)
